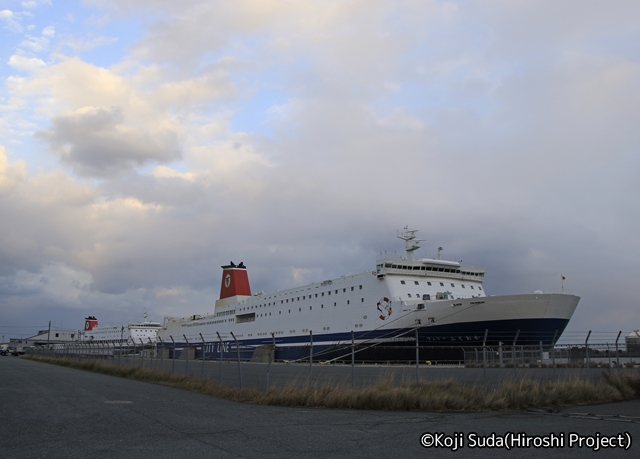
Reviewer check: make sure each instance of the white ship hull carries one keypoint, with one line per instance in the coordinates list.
(122, 335)
(443, 301)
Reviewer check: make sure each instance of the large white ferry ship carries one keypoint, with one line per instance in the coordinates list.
(132, 333)
(443, 301)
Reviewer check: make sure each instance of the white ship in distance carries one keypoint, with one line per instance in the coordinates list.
(133, 333)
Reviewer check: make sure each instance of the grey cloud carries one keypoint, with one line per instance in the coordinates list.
(95, 143)
(170, 191)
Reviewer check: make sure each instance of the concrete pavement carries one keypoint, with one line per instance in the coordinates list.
(54, 412)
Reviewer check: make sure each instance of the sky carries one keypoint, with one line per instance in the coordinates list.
(145, 144)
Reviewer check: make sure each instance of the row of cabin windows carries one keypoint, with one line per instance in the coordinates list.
(441, 284)
(226, 313)
(344, 290)
(262, 334)
(304, 297)
(311, 307)
(434, 269)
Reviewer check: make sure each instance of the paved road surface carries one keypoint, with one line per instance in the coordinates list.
(55, 412)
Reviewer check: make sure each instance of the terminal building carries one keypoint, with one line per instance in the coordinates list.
(43, 338)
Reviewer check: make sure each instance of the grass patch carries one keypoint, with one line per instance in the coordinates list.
(387, 395)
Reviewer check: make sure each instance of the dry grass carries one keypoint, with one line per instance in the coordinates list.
(386, 395)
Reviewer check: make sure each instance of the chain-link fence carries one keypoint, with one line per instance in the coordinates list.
(359, 364)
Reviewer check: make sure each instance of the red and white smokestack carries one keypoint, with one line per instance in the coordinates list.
(90, 323)
(235, 281)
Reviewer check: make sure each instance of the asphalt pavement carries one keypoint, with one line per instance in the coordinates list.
(50, 411)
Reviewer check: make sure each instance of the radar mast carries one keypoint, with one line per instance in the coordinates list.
(410, 242)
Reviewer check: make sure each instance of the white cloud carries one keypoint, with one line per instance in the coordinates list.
(10, 175)
(78, 44)
(12, 22)
(33, 4)
(25, 64)
(49, 31)
(35, 44)
(166, 172)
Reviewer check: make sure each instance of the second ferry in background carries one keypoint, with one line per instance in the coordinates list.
(132, 333)
(436, 301)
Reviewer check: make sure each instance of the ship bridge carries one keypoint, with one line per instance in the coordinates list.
(427, 267)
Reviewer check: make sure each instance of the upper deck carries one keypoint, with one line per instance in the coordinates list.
(427, 267)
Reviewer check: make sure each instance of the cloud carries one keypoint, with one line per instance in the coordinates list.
(95, 142)
(26, 64)
(35, 44)
(32, 4)
(49, 31)
(10, 175)
(79, 45)
(11, 20)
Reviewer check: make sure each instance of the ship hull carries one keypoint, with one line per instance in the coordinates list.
(523, 320)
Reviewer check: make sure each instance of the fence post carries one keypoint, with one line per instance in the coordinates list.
(151, 352)
(273, 349)
(173, 355)
(121, 345)
(310, 352)
(239, 369)
(553, 353)
(586, 350)
(417, 359)
(271, 355)
(617, 353)
(515, 363)
(500, 354)
(221, 347)
(161, 353)
(353, 356)
(141, 353)
(203, 344)
(186, 370)
(484, 355)
(541, 353)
